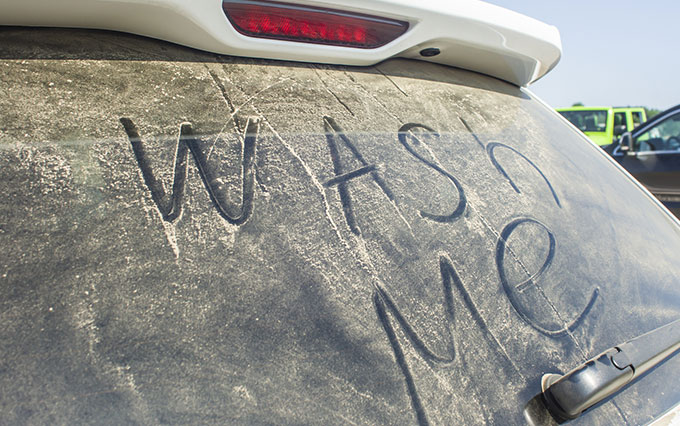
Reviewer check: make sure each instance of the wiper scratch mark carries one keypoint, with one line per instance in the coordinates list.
(469, 129)
(392, 81)
(337, 98)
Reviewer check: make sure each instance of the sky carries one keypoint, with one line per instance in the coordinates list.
(614, 52)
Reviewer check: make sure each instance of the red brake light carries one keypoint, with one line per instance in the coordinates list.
(282, 21)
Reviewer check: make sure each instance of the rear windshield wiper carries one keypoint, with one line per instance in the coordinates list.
(568, 396)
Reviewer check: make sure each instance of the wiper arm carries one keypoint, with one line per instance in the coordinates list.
(604, 375)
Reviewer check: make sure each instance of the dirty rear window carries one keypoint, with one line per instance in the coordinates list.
(189, 238)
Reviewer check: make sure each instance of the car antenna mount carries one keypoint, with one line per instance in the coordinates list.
(568, 396)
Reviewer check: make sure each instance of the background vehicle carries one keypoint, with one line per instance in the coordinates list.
(192, 238)
(604, 124)
(651, 153)
(629, 118)
(596, 122)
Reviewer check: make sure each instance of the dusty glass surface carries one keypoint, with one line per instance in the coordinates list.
(197, 239)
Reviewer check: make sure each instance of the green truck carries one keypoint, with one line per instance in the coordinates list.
(630, 116)
(603, 125)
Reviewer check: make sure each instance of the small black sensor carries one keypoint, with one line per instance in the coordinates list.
(429, 52)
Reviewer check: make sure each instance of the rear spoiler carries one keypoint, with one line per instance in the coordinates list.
(468, 34)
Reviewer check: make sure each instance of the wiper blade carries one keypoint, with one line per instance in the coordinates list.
(568, 396)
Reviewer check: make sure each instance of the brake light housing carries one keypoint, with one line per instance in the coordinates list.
(307, 24)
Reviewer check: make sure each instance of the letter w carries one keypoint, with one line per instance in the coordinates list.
(171, 207)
